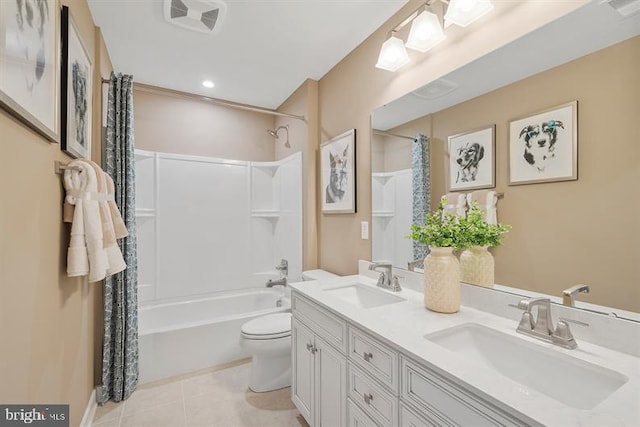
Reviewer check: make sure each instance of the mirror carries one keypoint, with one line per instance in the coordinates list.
(564, 233)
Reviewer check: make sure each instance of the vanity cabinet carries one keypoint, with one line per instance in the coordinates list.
(319, 370)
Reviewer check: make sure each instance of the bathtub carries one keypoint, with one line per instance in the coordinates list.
(179, 337)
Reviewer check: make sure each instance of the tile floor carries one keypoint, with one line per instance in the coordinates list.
(213, 398)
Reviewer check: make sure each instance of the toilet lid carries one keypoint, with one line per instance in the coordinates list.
(270, 326)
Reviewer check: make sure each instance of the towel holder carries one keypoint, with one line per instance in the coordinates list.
(61, 167)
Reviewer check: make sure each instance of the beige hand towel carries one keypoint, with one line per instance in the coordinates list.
(77, 259)
(456, 204)
(487, 201)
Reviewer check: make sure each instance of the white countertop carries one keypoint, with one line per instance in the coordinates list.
(404, 325)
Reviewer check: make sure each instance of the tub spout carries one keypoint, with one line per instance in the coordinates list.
(280, 282)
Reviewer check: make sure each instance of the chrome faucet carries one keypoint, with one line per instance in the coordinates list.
(411, 265)
(569, 295)
(386, 280)
(542, 327)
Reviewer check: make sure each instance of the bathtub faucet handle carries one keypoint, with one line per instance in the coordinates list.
(283, 268)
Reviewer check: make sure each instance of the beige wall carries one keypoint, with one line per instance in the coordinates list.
(566, 233)
(189, 126)
(47, 320)
(303, 136)
(354, 87)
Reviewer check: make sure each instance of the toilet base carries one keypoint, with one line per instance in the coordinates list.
(270, 373)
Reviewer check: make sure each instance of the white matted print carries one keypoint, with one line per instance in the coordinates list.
(472, 159)
(338, 173)
(544, 147)
(29, 63)
(77, 76)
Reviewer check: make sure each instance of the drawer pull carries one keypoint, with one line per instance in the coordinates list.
(368, 357)
(368, 398)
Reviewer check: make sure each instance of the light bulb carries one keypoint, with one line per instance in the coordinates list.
(208, 84)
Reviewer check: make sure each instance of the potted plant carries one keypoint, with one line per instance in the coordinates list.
(476, 262)
(443, 233)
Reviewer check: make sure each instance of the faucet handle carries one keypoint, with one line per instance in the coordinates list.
(562, 334)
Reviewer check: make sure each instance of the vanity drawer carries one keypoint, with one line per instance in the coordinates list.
(323, 323)
(424, 388)
(357, 418)
(411, 418)
(375, 358)
(374, 400)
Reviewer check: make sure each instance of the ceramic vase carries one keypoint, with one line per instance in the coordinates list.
(477, 266)
(442, 281)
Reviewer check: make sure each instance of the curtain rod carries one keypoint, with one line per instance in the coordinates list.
(179, 94)
(379, 132)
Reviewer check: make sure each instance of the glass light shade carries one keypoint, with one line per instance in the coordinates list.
(393, 55)
(426, 32)
(464, 12)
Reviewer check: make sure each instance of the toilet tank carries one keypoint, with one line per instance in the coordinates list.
(317, 275)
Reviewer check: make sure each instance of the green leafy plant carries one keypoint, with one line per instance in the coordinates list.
(477, 232)
(439, 230)
(447, 230)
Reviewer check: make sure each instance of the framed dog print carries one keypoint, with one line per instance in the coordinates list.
(472, 161)
(338, 173)
(77, 73)
(29, 64)
(543, 147)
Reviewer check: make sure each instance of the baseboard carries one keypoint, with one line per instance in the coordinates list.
(90, 411)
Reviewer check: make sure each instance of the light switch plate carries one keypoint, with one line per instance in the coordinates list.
(364, 230)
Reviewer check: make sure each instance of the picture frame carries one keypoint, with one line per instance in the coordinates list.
(338, 174)
(553, 156)
(76, 90)
(472, 159)
(30, 64)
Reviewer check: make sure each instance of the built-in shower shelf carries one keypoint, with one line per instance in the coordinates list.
(382, 177)
(382, 214)
(145, 213)
(265, 213)
(268, 167)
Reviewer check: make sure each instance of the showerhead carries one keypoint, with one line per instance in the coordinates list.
(274, 133)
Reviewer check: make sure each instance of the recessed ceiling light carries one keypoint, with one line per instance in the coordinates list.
(208, 84)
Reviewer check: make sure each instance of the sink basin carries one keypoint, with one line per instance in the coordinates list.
(364, 296)
(572, 381)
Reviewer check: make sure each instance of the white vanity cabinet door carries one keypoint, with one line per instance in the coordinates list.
(323, 323)
(357, 418)
(302, 384)
(455, 405)
(330, 385)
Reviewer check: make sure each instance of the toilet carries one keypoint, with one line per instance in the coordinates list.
(268, 340)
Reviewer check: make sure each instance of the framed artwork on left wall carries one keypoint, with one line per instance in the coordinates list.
(29, 64)
(338, 173)
(76, 90)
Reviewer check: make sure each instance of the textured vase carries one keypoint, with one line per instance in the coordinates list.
(442, 281)
(477, 266)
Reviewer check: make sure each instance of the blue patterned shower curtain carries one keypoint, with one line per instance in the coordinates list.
(120, 340)
(421, 188)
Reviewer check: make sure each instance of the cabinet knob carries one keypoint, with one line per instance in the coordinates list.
(368, 357)
(314, 350)
(309, 347)
(368, 398)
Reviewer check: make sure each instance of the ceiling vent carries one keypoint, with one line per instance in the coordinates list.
(204, 16)
(435, 89)
(625, 7)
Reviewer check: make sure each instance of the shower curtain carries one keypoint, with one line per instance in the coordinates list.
(421, 188)
(120, 340)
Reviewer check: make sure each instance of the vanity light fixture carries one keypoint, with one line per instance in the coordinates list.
(464, 12)
(208, 84)
(426, 32)
(427, 29)
(393, 55)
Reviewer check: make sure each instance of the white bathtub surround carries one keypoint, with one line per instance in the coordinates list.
(208, 225)
(180, 337)
(204, 398)
(402, 327)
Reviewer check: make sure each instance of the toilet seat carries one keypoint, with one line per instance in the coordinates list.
(268, 327)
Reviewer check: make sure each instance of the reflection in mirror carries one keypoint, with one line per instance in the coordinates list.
(564, 233)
